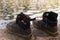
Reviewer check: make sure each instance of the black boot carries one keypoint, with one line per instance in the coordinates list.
(14, 28)
(21, 27)
(48, 24)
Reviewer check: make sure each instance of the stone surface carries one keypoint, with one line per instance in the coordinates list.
(37, 35)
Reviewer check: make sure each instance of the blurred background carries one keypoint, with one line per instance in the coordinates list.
(10, 8)
(34, 8)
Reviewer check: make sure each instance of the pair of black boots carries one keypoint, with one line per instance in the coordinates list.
(22, 25)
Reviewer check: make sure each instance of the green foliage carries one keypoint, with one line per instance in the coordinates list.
(12, 16)
(26, 8)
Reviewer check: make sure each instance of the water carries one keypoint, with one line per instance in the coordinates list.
(3, 23)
